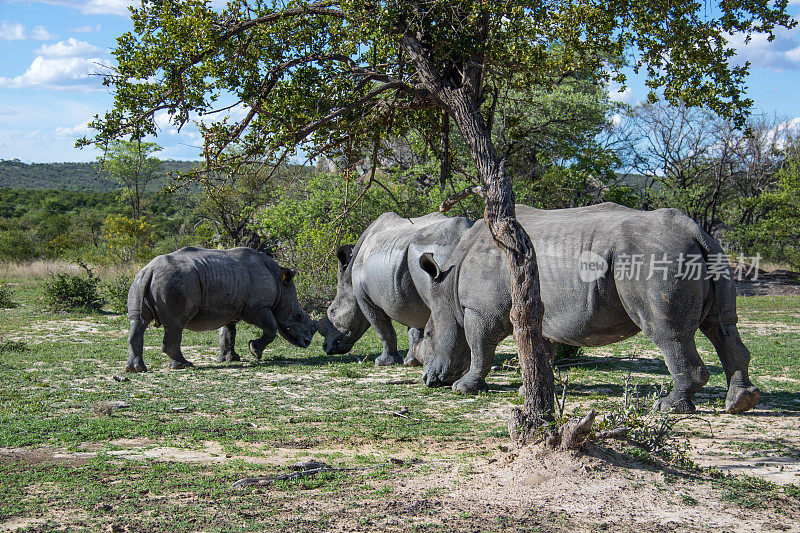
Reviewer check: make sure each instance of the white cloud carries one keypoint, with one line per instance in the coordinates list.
(96, 7)
(624, 96)
(69, 48)
(60, 73)
(15, 31)
(163, 121)
(87, 29)
(40, 33)
(69, 64)
(77, 130)
(11, 31)
(780, 54)
(237, 112)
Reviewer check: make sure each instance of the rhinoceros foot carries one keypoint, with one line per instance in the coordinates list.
(228, 357)
(179, 365)
(470, 385)
(669, 404)
(388, 360)
(742, 399)
(254, 351)
(410, 360)
(136, 368)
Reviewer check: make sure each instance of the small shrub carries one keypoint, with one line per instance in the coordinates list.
(562, 352)
(350, 372)
(6, 297)
(67, 292)
(747, 491)
(651, 431)
(12, 346)
(117, 293)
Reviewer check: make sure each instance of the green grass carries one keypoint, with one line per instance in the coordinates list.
(293, 403)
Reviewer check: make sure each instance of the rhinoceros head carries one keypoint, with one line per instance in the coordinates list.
(442, 348)
(294, 324)
(344, 322)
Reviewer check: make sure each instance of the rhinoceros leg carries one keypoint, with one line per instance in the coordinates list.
(689, 373)
(414, 336)
(172, 347)
(383, 326)
(136, 346)
(227, 343)
(482, 345)
(735, 358)
(264, 319)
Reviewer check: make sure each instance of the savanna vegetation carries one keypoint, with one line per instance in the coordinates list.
(401, 107)
(85, 446)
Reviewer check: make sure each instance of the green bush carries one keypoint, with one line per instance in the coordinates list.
(776, 234)
(6, 297)
(12, 346)
(117, 293)
(562, 352)
(67, 292)
(17, 245)
(303, 229)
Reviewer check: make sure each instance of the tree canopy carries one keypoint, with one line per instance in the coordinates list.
(328, 76)
(130, 163)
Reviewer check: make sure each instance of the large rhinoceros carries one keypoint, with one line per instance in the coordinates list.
(606, 273)
(201, 290)
(380, 280)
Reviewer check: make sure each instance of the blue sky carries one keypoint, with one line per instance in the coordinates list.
(50, 49)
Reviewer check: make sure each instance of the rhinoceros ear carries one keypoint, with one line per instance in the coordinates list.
(429, 265)
(287, 275)
(344, 254)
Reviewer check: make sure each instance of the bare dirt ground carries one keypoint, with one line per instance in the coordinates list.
(762, 283)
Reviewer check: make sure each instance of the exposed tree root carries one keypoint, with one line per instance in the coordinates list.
(570, 436)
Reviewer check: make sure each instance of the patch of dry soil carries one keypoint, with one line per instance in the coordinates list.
(599, 490)
(778, 282)
(765, 443)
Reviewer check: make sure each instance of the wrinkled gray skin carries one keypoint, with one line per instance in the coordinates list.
(380, 280)
(471, 298)
(201, 290)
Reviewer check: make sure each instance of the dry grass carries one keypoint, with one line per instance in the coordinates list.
(41, 269)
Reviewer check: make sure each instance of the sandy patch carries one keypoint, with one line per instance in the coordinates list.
(599, 487)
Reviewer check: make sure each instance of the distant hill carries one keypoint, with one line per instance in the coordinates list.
(67, 176)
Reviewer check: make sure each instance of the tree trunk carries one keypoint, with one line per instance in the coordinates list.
(444, 169)
(461, 101)
(526, 304)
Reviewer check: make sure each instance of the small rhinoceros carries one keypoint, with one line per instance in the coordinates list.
(380, 280)
(606, 272)
(201, 290)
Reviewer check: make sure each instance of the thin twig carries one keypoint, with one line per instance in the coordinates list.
(265, 481)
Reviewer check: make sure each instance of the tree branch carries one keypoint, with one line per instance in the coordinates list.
(448, 204)
(303, 132)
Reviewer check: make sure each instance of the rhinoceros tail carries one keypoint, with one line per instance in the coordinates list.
(141, 303)
(723, 289)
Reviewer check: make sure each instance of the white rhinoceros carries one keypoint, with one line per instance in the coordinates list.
(201, 290)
